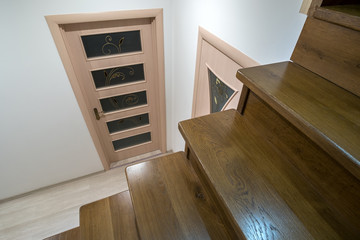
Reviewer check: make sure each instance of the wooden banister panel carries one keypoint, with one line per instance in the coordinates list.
(332, 51)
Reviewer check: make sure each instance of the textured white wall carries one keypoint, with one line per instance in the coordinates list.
(266, 31)
(43, 137)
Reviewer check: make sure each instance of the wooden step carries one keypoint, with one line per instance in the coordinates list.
(111, 218)
(170, 203)
(271, 180)
(326, 113)
(72, 234)
(345, 15)
(331, 51)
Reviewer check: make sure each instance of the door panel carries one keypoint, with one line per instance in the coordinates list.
(220, 90)
(216, 87)
(114, 64)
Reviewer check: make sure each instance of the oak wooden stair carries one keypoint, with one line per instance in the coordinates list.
(284, 165)
(111, 218)
(171, 203)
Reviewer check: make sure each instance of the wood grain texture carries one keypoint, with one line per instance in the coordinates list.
(243, 98)
(332, 51)
(329, 115)
(111, 218)
(264, 179)
(332, 192)
(345, 15)
(72, 234)
(170, 203)
(226, 151)
(211, 192)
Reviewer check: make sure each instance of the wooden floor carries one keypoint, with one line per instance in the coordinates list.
(53, 210)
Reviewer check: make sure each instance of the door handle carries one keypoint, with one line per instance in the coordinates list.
(97, 114)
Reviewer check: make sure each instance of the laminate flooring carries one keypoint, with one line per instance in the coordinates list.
(53, 210)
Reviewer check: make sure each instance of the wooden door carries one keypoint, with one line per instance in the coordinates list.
(116, 68)
(216, 86)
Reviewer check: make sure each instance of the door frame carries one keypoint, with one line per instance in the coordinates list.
(56, 21)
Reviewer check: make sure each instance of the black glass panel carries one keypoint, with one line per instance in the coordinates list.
(128, 123)
(219, 93)
(131, 141)
(111, 43)
(119, 75)
(123, 101)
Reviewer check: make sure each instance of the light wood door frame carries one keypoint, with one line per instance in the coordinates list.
(55, 23)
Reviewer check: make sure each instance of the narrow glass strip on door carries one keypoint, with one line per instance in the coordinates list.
(123, 101)
(118, 75)
(131, 141)
(111, 43)
(128, 123)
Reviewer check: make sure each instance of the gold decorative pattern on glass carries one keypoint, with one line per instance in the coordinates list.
(123, 101)
(109, 46)
(130, 100)
(220, 93)
(116, 73)
(135, 120)
(106, 44)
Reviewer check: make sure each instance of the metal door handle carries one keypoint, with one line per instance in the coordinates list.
(97, 114)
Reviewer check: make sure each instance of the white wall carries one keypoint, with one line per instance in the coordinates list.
(44, 139)
(266, 31)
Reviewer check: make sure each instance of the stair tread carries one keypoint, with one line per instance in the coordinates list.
(170, 203)
(259, 188)
(345, 15)
(110, 218)
(72, 234)
(326, 113)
